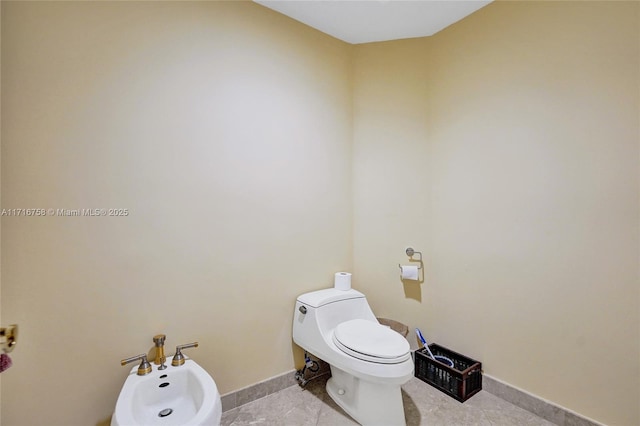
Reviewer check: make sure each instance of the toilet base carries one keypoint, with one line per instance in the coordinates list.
(368, 403)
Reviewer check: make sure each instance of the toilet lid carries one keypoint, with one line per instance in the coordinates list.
(371, 341)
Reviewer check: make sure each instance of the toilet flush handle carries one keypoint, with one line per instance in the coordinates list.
(303, 309)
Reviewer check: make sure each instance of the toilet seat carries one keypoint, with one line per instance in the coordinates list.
(369, 341)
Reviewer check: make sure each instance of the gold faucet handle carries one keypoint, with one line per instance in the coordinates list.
(144, 368)
(178, 358)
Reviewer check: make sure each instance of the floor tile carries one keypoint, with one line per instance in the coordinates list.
(424, 405)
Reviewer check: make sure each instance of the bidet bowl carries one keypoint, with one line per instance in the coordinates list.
(177, 396)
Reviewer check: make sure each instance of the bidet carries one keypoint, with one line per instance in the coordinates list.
(176, 396)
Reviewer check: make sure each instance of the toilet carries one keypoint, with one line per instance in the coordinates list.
(369, 362)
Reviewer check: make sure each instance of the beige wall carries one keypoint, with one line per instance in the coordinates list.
(506, 148)
(225, 129)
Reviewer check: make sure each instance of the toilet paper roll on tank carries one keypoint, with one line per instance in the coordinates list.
(342, 281)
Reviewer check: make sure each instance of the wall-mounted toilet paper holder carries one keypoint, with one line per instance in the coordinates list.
(410, 252)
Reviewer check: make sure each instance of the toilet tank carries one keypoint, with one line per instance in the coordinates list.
(317, 313)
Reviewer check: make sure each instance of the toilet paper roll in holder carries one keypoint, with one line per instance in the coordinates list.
(410, 252)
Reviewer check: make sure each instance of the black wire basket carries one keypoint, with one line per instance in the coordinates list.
(461, 381)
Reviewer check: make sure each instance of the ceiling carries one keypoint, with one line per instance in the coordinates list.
(364, 21)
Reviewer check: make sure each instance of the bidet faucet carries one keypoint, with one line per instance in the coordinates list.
(144, 368)
(178, 358)
(160, 358)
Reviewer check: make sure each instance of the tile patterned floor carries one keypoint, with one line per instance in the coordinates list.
(423, 404)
